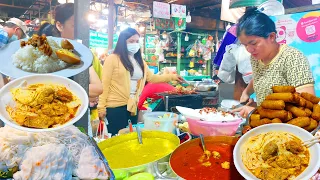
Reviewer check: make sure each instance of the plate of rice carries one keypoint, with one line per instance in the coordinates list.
(20, 61)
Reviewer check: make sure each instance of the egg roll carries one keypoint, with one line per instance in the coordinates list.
(296, 111)
(286, 97)
(312, 126)
(256, 123)
(310, 97)
(309, 105)
(271, 114)
(254, 120)
(276, 120)
(283, 89)
(300, 121)
(289, 117)
(308, 111)
(316, 112)
(273, 104)
(255, 117)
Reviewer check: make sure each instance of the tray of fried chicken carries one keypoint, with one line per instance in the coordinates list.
(285, 105)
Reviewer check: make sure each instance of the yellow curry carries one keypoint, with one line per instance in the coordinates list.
(129, 153)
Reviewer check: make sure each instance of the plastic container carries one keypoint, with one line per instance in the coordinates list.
(160, 121)
(209, 128)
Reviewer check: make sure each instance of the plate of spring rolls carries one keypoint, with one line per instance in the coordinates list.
(285, 105)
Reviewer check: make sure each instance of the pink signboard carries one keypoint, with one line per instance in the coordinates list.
(161, 10)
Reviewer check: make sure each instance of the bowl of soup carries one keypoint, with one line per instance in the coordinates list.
(188, 161)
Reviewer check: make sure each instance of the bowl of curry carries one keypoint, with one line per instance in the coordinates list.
(42, 102)
(189, 162)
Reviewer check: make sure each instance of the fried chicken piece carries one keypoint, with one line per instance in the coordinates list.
(64, 95)
(294, 147)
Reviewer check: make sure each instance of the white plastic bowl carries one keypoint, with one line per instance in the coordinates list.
(304, 135)
(75, 88)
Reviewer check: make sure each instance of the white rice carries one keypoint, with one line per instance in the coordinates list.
(31, 59)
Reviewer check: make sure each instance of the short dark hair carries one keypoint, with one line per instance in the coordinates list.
(63, 12)
(48, 30)
(255, 23)
(122, 51)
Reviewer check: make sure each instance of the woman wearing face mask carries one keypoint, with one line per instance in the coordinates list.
(272, 64)
(124, 75)
(64, 27)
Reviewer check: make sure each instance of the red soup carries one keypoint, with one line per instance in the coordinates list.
(192, 164)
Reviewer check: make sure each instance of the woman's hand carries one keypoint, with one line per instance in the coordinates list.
(178, 78)
(243, 111)
(244, 97)
(102, 114)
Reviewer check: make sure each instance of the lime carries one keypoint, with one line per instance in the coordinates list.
(141, 176)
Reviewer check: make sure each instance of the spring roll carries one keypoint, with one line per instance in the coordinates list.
(296, 111)
(276, 120)
(310, 97)
(300, 121)
(283, 89)
(273, 104)
(286, 97)
(271, 114)
(309, 105)
(290, 116)
(312, 126)
(316, 112)
(255, 117)
(308, 111)
(261, 122)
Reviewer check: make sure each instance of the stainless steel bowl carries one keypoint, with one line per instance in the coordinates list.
(203, 87)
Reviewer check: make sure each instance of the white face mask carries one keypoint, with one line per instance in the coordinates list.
(133, 47)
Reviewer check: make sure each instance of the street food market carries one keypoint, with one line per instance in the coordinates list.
(167, 89)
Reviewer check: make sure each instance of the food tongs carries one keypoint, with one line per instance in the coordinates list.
(101, 156)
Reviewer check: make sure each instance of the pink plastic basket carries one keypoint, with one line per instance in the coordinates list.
(209, 128)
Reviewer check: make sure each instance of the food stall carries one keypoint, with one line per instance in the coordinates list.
(188, 136)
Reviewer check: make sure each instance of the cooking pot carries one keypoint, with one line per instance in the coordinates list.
(192, 147)
(128, 142)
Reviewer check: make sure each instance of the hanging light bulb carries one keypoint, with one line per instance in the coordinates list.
(164, 35)
(228, 26)
(186, 38)
(188, 19)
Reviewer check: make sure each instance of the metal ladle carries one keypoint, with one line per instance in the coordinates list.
(205, 151)
(139, 134)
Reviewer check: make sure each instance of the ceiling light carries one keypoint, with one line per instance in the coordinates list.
(65, 1)
(164, 35)
(92, 18)
(105, 11)
(228, 26)
(186, 38)
(188, 19)
(142, 28)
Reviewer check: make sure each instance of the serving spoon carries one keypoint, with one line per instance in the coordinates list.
(205, 151)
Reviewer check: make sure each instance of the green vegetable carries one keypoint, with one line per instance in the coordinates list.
(9, 173)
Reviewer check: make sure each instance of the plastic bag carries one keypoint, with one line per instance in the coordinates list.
(227, 69)
(242, 57)
(235, 55)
